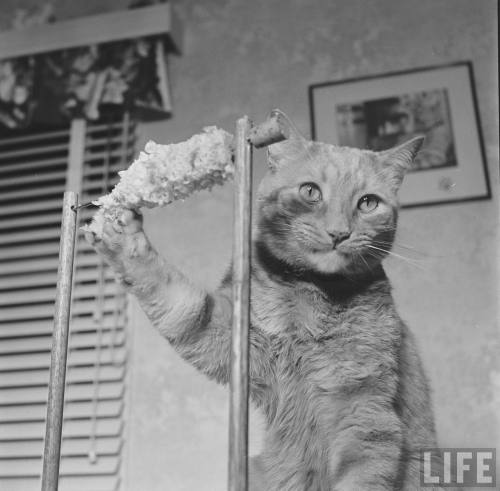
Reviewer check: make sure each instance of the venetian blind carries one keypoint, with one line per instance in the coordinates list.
(35, 169)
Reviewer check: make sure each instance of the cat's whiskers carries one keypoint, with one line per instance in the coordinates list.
(386, 243)
(412, 262)
(406, 247)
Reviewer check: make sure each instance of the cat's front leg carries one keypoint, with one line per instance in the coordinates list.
(197, 323)
(366, 454)
(178, 308)
(170, 300)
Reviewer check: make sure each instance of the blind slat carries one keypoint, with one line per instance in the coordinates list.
(29, 250)
(29, 265)
(74, 392)
(93, 483)
(77, 358)
(69, 447)
(44, 327)
(72, 429)
(94, 156)
(48, 294)
(42, 205)
(44, 343)
(112, 139)
(82, 466)
(29, 378)
(33, 150)
(97, 171)
(96, 187)
(31, 193)
(38, 249)
(41, 137)
(33, 164)
(33, 180)
(24, 236)
(46, 310)
(72, 466)
(42, 278)
(31, 221)
(72, 410)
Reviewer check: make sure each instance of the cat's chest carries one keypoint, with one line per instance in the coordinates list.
(323, 343)
(298, 311)
(327, 367)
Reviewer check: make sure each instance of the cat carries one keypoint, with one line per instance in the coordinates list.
(333, 368)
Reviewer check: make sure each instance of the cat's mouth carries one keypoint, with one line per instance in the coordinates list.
(329, 259)
(342, 249)
(323, 249)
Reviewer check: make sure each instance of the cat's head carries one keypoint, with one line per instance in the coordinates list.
(329, 209)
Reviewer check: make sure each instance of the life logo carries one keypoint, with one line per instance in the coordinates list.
(458, 467)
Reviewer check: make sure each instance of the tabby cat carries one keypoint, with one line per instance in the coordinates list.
(333, 368)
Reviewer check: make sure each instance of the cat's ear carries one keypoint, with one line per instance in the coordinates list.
(398, 160)
(280, 153)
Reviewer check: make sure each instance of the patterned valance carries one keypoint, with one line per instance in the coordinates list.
(49, 88)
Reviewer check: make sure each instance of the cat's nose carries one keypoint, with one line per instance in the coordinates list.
(338, 236)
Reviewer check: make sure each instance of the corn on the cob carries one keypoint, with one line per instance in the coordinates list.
(165, 173)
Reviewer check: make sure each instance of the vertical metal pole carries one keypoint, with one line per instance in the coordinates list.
(76, 156)
(238, 404)
(53, 429)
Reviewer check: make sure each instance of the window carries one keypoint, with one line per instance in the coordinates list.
(35, 169)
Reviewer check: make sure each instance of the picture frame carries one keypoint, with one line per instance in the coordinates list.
(381, 111)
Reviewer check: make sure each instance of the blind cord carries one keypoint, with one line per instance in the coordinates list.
(99, 314)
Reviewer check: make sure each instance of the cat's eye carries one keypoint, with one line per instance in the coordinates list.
(310, 192)
(368, 203)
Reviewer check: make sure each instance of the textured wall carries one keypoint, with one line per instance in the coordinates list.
(248, 57)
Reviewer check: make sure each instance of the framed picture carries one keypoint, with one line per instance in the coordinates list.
(380, 112)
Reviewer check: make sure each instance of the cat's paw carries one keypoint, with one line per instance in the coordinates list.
(119, 241)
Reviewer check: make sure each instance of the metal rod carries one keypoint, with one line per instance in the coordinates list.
(55, 406)
(238, 394)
